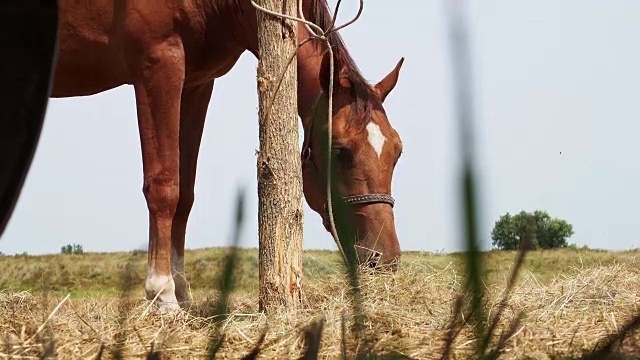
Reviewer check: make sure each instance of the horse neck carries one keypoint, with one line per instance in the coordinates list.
(309, 62)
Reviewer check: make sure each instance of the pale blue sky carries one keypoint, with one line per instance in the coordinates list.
(551, 77)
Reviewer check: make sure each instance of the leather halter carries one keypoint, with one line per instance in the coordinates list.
(363, 199)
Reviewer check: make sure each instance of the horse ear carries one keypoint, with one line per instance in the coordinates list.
(387, 84)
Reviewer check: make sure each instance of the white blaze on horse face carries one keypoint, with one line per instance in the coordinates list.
(375, 137)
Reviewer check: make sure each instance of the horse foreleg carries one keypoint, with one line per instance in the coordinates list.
(158, 88)
(193, 110)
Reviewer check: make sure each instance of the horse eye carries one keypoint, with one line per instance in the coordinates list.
(343, 155)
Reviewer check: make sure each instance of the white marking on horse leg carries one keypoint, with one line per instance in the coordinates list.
(163, 287)
(375, 137)
(177, 270)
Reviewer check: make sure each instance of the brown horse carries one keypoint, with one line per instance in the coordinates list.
(172, 52)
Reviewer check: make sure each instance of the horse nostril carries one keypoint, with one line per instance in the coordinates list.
(373, 258)
(368, 257)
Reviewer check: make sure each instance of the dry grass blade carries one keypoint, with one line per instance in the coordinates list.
(55, 310)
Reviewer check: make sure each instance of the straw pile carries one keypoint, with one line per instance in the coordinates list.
(407, 312)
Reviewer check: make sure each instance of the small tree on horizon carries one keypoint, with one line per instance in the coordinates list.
(548, 233)
(75, 249)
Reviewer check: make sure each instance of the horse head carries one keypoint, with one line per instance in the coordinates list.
(365, 149)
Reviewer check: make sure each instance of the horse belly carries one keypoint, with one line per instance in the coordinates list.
(88, 76)
(89, 55)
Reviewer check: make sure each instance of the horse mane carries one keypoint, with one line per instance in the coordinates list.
(360, 87)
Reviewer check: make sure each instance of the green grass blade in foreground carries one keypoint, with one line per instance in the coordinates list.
(226, 280)
(347, 237)
(120, 337)
(343, 333)
(460, 56)
(463, 101)
(344, 228)
(49, 350)
(607, 349)
(312, 339)
(489, 333)
(253, 354)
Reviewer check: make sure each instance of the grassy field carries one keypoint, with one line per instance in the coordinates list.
(570, 299)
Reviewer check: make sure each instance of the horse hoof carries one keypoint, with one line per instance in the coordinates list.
(169, 308)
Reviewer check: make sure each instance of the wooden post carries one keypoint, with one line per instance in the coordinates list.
(279, 169)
